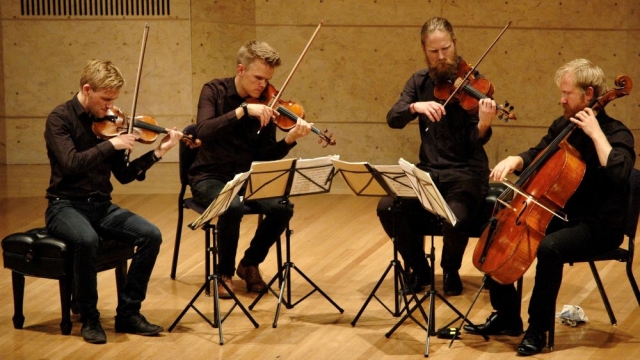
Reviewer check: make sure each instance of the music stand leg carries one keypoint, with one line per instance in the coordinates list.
(218, 319)
(398, 284)
(284, 277)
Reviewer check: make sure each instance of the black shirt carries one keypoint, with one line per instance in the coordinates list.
(603, 193)
(450, 149)
(229, 144)
(81, 163)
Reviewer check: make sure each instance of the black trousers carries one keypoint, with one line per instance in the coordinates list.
(407, 222)
(573, 242)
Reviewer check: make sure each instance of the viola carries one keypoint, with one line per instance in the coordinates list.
(144, 127)
(468, 90)
(509, 244)
(289, 113)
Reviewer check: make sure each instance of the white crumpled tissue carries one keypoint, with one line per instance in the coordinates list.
(572, 315)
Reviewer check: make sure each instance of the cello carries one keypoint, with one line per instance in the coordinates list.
(508, 245)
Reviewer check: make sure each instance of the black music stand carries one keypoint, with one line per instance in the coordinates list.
(432, 201)
(218, 206)
(365, 179)
(282, 179)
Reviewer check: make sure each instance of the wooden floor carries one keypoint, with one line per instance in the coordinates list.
(338, 243)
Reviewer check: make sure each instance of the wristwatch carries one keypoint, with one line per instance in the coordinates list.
(244, 108)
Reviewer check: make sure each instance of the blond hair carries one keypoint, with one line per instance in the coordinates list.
(101, 74)
(585, 75)
(255, 49)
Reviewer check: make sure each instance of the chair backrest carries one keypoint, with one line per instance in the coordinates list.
(633, 210)
(186, 155)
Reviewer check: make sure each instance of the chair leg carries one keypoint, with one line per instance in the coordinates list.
(552, 337)
(17, 280)
(603, 294)
(176, 247)
(632, 282)
(65, 305)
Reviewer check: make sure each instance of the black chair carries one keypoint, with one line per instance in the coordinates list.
(36, 253)
(621, 254)
(186, 158)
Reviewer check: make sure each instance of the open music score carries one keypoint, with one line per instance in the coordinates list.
(427, 192)
(222, 201)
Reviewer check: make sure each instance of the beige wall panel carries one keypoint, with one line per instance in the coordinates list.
(230, 12)
(344, 12)
(25, 141)
(632, 69)
(571, 14)
(62, 51)
(214, 50)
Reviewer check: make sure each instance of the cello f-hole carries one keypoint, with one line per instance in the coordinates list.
(518, 222)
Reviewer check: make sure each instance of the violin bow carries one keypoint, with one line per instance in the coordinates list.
(136, 88)
(295, 66)
(473, 68)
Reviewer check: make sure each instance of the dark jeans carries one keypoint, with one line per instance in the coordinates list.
(276, 217)
(407, 222)
(82, 224)
(577, 241)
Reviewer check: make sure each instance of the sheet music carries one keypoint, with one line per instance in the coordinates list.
(397, 180)
(359, 178)
(269, 179)
(427, 192)
(220, 204)
(313, 176)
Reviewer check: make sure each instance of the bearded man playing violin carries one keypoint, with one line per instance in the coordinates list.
(80, 208)
(236, 130)
(595, 211)
(451, 151)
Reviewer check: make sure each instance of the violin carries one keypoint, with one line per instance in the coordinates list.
(289, 113)
(145, 128)
(509, 244)
(468, 90)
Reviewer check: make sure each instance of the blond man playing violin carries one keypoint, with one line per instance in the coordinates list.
(595, 211)
(235, 131)
(80, 208)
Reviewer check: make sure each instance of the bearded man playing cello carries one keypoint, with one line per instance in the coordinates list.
(595, 212)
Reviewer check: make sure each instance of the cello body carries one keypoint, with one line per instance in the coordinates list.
(514, 234)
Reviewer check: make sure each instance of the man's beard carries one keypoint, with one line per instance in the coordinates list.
(443, 70)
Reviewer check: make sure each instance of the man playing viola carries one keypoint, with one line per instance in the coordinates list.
(233, 135)
(451, 151)
(80, 208)
(595, 211)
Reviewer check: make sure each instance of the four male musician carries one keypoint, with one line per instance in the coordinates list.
(236, 131)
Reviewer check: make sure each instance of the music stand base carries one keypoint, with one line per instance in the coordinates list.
(399, 283)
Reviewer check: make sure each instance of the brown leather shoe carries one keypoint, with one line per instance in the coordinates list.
(251, 275)
(222, 292)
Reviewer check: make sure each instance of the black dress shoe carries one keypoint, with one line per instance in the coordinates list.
(136, 324)
(452, 283)
(92, 332)
(415, 283)
(532, 343)
(497, 325)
